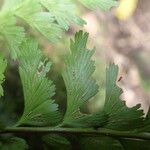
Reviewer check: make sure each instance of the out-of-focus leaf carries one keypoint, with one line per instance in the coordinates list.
(101, 143)
(13, 34)
(136, 144)
(58, 142)
(63, 11)
(13, 143)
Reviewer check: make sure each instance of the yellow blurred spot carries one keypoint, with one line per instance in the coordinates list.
(126, 9)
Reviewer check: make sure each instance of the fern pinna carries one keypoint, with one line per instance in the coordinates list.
(115, 127)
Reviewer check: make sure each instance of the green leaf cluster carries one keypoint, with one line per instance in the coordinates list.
(115, 127)
(40, 110)
(48, 17)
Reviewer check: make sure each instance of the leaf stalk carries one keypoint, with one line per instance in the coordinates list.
(78, 131)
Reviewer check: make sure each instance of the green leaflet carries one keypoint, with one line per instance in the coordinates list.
(64, 11)
(107, 143)
(40, 109)
(99, 143)
(13, 143)
(3, 64)
(77, 76)
(120, 116)
(102, 4)
(44, 23)
(54, 141)
(94, 120)
(146, 126)
(129, 144)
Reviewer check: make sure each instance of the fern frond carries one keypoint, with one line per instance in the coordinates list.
(77, 76)
(120, 116)
(39, 109)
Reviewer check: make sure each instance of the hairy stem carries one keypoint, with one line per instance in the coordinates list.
(79, 131)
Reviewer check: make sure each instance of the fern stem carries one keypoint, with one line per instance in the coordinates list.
(79, 131)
